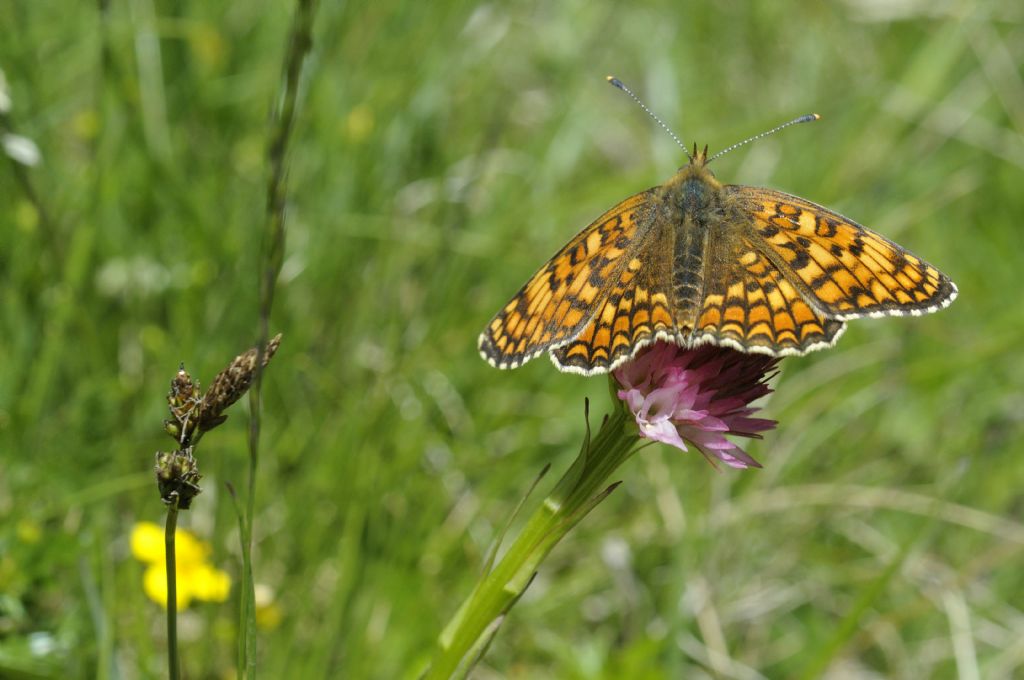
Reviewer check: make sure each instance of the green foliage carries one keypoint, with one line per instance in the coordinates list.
(442, 151)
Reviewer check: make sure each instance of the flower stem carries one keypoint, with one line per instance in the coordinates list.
(172, 591)
(282, 123)
(580, 489)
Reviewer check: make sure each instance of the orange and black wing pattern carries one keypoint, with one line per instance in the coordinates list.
(559, 302)
(751, 305)
(842, 269)
(636, 311)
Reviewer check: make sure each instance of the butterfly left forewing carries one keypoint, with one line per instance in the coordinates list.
(843, 269)
(561, 299)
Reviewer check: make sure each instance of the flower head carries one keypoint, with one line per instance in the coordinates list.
(196, 578)
(697, 396)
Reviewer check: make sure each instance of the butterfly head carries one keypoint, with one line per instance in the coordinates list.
(693, 190)
(698, 158)
(694, 174)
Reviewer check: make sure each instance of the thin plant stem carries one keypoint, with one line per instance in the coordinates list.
(579, 490)
(246, 574)
(281, 125)
(173, 671)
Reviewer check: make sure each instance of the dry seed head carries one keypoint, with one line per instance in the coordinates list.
(230, 384)
(183, 401)
(177, 475)
(184, 394)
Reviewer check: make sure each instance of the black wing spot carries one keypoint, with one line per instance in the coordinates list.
(826, 227)
(800, 257)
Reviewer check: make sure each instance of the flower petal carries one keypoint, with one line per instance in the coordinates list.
(737, 458)
(209, 584)
(660, 403)
(634, 399)
(154, 584)
(147, 542)
(662, 431)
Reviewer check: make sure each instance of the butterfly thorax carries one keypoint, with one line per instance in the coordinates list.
(693, 191)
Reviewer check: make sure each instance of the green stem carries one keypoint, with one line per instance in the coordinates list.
(173, 671)
(282, 123)
(579, 490)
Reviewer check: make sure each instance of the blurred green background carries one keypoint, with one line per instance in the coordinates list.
(442, 152)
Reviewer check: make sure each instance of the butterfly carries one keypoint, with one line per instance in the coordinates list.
(694, 262)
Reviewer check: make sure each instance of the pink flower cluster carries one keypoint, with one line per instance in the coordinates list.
(697, 396)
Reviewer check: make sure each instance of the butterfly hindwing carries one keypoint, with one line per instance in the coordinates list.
(752, 306)
(558, 302)
(843, 268)
(636, 311)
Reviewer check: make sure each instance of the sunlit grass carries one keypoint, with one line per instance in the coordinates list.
(442, 153)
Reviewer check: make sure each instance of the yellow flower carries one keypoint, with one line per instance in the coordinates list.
(196, 578)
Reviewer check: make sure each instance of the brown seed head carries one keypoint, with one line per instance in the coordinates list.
(177, 475)
(230, 384)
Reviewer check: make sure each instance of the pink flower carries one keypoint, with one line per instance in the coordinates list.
(697, 396)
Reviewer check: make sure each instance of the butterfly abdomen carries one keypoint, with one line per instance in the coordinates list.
(694, 205)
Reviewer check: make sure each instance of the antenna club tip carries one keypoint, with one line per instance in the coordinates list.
(615, 81)
(815, 116)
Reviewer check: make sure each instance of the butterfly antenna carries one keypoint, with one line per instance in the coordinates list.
(619, 84)
(810, 117)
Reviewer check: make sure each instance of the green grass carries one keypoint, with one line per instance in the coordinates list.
(441, 153)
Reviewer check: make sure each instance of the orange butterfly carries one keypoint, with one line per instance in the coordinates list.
(694, 262)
